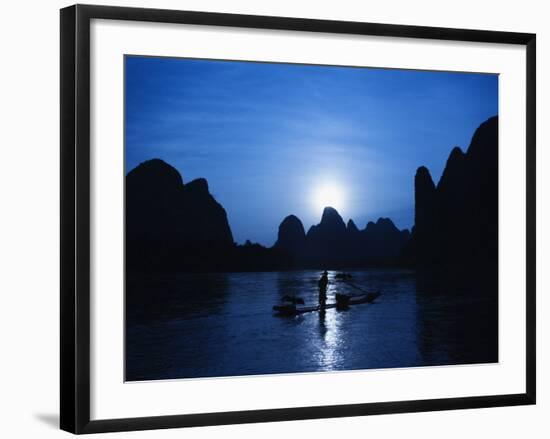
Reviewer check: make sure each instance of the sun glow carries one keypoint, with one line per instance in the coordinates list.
(328, 195)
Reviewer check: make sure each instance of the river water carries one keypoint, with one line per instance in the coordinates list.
(213, 325)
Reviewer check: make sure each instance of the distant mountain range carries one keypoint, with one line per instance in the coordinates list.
(172, 226)
(333, 244)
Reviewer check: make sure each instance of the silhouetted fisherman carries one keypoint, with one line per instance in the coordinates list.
(323, 283)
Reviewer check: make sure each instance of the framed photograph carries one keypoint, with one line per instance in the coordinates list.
(268, 218)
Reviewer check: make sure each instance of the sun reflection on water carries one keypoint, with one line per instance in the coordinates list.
(330, 343)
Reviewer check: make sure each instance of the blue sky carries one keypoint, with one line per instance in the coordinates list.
(268, 136)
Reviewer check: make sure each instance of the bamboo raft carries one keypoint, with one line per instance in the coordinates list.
(293, 310)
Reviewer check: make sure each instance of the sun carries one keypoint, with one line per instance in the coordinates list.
(328, 195)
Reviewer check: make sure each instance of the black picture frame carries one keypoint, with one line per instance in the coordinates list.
(75, 217)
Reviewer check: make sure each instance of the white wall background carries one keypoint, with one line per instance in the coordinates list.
(29, 200)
